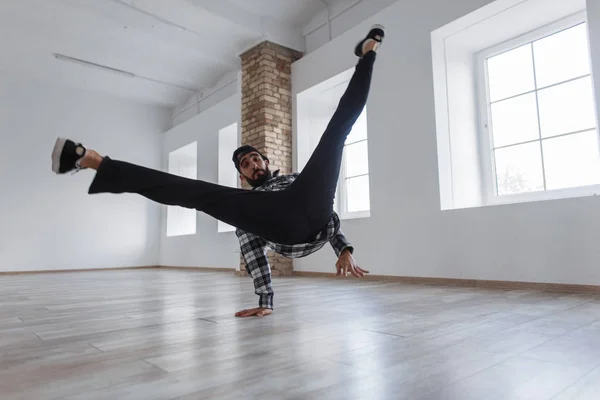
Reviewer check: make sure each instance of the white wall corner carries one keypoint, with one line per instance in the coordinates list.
(225, 87)
(315, 23)
(339, 17)
(282, 34)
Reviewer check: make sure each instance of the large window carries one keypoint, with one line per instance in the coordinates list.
(515, 106)
(182, 162)
(538, 113)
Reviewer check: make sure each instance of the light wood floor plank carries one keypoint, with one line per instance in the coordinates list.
(171, 334)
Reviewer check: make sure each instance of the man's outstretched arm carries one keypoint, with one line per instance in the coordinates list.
(254, 251)
(344, 250)
(340, 244)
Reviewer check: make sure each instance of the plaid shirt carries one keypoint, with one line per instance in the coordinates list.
(254, 248)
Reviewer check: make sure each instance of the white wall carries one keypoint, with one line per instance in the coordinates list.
(49, 222)
(228, 86)
(207, 248)
(407, 234)
(339, 16)
(593, 11)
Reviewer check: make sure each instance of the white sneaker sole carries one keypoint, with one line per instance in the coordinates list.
(56, 152)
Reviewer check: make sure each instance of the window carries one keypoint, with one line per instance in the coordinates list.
(516, 118)
(539, 130)
(182, 162)
(315, 108)
(353, 189)
(228, 175)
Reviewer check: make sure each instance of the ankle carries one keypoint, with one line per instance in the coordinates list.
(369, 45)
(90, 160)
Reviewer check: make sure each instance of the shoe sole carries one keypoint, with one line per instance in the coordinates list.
(56, 152)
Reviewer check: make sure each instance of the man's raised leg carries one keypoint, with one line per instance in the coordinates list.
(285, 217)
(317, 183)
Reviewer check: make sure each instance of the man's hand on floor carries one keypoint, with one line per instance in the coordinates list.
(259, 312)
(347, 264)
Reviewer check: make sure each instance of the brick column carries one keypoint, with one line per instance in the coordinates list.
(267, 114)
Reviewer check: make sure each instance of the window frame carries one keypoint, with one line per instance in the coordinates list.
(485, 134)
(192, 214)
(342, 191)
(223, 227)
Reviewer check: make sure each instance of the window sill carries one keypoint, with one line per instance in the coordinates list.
(355, 215)
(180, 235)
(559, 194)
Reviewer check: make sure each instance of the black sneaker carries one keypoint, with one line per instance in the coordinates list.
(376, 33)
(66, 156)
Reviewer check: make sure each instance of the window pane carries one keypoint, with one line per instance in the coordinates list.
(182, 162)
(181, 221)
(511, 73)
(567, 108)
(359, 130)
(562, 56)
(357, 159)
(519, 169)
(572, 161)
(515, 120)
(358, 193)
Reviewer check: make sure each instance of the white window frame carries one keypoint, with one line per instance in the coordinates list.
(191, 213)
(489, 187)
(342, 192)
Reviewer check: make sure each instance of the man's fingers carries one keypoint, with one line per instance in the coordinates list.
(356, 272)
(343, 268)
(253, 311)
(245, 313)
(262, 313)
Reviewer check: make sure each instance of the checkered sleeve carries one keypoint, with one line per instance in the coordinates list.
(254, 251)
(340, 243)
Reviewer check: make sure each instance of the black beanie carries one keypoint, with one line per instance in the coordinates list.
(242, 151)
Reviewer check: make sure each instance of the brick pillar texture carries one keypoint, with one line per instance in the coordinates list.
(267, 115)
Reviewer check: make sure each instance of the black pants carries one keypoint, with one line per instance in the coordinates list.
(290, 216)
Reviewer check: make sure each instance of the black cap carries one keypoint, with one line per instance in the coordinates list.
(241, 152)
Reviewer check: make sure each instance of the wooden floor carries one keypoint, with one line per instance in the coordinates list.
(171, 334)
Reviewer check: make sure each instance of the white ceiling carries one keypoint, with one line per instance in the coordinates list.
(172, 47)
